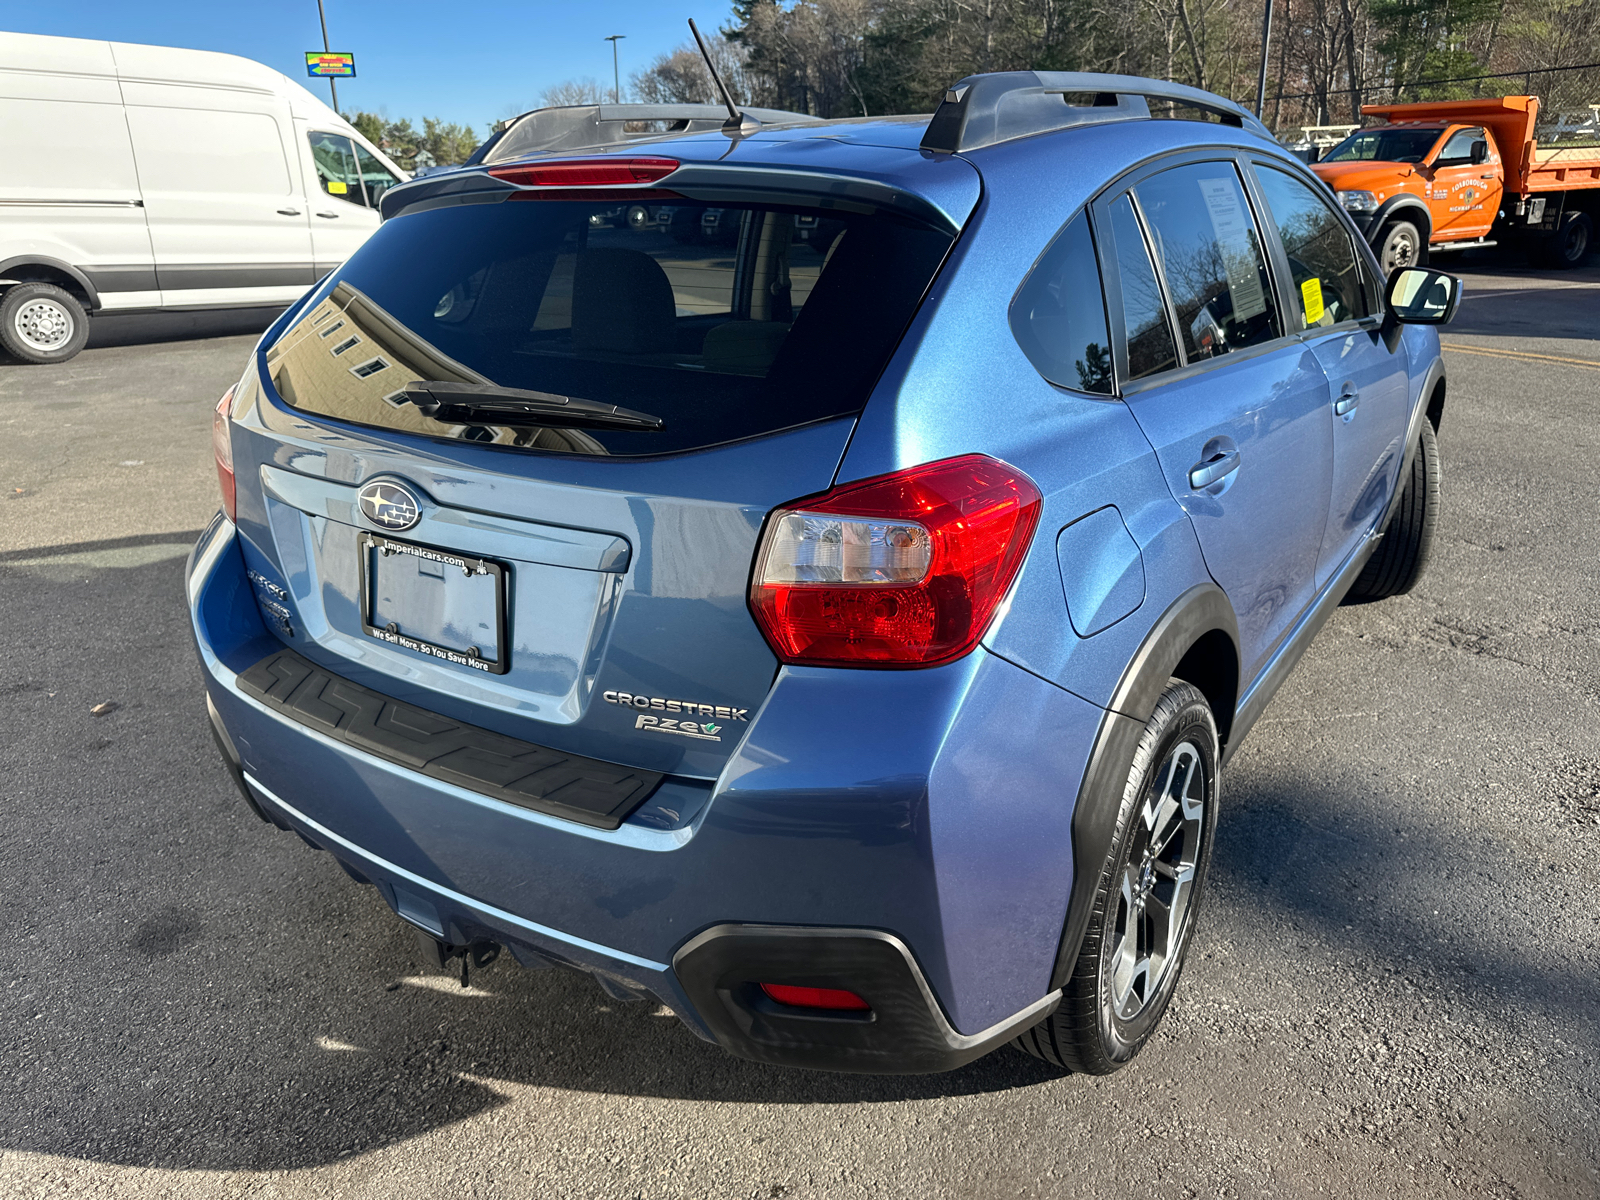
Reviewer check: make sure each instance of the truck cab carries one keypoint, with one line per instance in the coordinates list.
(1452, 174)
(1416, 185)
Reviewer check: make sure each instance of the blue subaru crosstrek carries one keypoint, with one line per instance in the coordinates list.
(836, 631)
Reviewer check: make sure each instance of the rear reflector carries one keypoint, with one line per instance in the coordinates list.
(222, 450)
(903, 570)
(587, 172)
(811, 997)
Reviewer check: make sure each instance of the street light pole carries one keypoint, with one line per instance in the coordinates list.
(326, 49)
(1261, 80)
(616, 75)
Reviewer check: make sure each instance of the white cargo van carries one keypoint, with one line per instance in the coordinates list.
(152, 178)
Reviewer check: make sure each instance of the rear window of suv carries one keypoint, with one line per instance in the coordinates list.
(724, 321)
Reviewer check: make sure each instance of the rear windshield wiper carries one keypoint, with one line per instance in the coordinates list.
(486, 404)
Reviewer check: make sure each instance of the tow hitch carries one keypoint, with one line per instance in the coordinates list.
(439, 954)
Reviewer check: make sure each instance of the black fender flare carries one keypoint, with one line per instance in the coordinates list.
(1201, 610)
(1405, 204)
(55, 264)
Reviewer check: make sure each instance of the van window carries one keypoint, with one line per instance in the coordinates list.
(375, 177)
(337, 171)
(1150, 348)
(1210, 252)
(767, 317)
(1059, 315)
(1323, 262)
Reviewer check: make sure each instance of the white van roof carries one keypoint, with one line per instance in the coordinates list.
(30, 52)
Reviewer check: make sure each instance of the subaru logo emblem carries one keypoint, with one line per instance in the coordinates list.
(390, 505)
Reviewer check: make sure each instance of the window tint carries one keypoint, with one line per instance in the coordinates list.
(645, 306)
(335, 157)
(374, 175)
(1326, 278)
(1458, 149)
(1059, 316)
(1144, 315)
(1210, 253)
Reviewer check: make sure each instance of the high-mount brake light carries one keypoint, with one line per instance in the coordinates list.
(814, 997)
(222, 448)
(587, 172)
(902, 570)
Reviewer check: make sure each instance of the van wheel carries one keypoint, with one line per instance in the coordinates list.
(1400, 559)
(1569, 245)
(1402, 245)
(41, 323)
(1144, 908)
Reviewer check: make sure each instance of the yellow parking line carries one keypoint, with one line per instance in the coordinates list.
(1590, 363)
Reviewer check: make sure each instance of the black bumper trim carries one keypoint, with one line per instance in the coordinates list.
(906, 1032)
(585, 790)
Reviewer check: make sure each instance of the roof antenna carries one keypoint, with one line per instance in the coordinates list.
(738, 124)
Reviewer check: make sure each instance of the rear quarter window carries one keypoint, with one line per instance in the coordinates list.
(726, 321)
(1059, 314)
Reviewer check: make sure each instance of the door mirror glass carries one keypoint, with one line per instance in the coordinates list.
(1420, 296)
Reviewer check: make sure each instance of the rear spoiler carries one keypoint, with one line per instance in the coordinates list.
(592, 126)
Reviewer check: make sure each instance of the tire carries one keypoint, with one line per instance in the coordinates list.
(1401, 245)
(1401, 558)
(41, 323)
(1109, 1009)
(1569, 245)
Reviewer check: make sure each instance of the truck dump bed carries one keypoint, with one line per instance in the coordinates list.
(1513, 121)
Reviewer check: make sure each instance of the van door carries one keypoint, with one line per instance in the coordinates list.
(69, 192)
(349, 182)
(227, 218)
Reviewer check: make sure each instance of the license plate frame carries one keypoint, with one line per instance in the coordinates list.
(368, 544)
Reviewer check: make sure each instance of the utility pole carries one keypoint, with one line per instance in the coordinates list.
(1261, 80)
(616, 75)
(333, 87)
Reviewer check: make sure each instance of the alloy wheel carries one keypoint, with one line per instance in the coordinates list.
(1157, 884)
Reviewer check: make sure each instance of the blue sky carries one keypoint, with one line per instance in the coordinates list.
(472, 62)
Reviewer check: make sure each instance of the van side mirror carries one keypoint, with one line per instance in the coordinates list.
(1418, 296)
(1480, 152)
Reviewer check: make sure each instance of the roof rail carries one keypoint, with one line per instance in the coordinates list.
(984, 110)
(590, 126)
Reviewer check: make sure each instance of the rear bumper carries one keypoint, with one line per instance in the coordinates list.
(908, 833)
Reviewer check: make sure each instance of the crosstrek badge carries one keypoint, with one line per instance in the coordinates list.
(687, 708)
(1311, 300)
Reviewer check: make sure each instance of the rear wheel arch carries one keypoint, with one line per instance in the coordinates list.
(35, 269)
(1435, 409)
(1196, 639)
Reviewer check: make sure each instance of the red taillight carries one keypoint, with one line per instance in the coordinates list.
(813, 997)
(222, 447)
(587, 172)
(904, 570)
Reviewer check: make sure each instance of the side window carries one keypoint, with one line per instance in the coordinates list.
(1144, 312)
(336, 166)
(1059, 316)
(1458, 150)
(1327, 279)
(374, 175)
(1210, 253)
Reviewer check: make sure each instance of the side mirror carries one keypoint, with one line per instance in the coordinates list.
(1480, 152)
(1418, 296)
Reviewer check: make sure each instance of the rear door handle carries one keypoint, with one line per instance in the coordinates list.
(1347, 401)
(1216, 468)
(289, 212)
(332, 216)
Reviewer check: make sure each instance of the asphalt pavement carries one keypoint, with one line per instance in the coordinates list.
(1394, 991)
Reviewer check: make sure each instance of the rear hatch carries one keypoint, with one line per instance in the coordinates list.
(423, 513)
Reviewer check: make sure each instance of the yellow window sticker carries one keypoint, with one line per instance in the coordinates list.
(1311, 300)
(335, 188)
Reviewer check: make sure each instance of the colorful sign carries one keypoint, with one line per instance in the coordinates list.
(321, 64)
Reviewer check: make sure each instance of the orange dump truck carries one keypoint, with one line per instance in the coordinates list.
(1448, 175)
